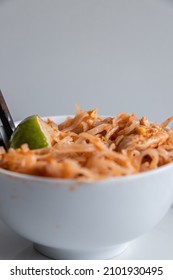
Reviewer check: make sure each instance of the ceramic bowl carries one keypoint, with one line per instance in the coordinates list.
(67, 219)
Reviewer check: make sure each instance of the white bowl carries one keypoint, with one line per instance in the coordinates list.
(66, 219)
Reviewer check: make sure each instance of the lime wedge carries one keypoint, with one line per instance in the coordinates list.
(32, 131)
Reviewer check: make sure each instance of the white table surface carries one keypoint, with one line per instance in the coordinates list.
(156, 244)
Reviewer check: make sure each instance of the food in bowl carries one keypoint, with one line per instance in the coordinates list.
(88, 146)
(76, 216)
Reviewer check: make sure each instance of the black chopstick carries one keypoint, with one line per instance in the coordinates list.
(2, 141)
(6, 118)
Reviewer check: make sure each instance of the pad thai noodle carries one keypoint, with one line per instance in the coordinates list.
(90, 147)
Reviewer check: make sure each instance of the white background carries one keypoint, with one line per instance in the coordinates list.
(116, 55)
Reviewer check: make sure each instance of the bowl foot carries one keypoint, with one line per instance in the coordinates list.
(64, 254)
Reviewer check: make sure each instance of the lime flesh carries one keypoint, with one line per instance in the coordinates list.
(31, 131)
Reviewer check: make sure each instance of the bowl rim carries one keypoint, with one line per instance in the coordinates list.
(116, 179)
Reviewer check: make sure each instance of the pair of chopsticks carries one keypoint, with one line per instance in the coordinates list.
(8, 125)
